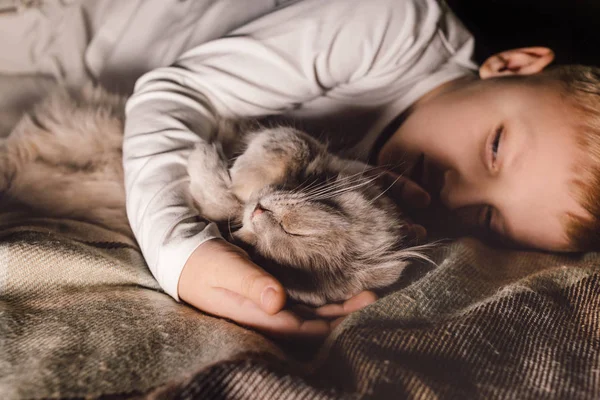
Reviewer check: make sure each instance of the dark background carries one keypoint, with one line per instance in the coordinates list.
(570, 27)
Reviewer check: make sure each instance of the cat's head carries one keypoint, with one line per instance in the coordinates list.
(322, 224)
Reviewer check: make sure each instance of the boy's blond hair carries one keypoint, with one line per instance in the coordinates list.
(580, 86)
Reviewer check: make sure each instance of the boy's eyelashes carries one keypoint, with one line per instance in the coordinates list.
(493, 147)
(496, 142)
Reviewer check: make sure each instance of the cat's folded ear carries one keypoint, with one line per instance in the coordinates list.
(272, 156)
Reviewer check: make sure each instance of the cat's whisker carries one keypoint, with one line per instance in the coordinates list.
(384, 191)
(321, 187)
(411, 253)
(346, 179)
(229, 225)
(325, 190)
(346, 182)
(345, 189)
(234, 225)
(331, 195)
(311, 184)
(365, 169)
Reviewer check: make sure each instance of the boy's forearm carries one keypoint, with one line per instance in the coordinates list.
(159, 137)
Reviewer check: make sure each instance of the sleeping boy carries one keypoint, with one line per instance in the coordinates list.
(512, 149)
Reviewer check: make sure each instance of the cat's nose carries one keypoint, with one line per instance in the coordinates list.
(258, 210)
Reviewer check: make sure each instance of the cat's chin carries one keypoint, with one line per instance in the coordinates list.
(255, 220)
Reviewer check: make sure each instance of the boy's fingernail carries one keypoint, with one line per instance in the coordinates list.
(420, 233)
(268, 296)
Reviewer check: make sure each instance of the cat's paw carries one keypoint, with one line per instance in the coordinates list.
(210, 184)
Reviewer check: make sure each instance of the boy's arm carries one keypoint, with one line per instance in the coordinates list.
(267, 67)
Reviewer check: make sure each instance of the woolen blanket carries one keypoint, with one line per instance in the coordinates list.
(81, 316)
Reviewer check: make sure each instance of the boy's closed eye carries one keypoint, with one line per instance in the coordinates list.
(496, 142)
(492, 149)
(487, 214)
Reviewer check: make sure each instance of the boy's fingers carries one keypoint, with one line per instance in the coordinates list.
(219, 264)
(359, 301)
(231, 305)
(242, 276)
(334, 324)
(407, 192)
(355, 303)
(419, 232)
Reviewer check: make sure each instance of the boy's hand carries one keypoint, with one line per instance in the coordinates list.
(220, 279)
(408, 194)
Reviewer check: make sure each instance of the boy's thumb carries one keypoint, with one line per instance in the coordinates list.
(255, 284)
(240, 275)
(219, 264)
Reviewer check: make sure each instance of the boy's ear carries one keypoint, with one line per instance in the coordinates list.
(523, 61)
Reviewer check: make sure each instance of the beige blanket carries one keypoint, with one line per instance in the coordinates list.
(81, 316)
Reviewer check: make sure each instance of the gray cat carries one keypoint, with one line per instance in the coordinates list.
(320, 224)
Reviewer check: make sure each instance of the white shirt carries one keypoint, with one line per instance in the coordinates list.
(345, 66)
(340, 69)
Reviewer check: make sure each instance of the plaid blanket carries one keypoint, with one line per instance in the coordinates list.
(81, 316)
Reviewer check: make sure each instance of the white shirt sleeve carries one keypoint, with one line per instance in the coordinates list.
(269, 66)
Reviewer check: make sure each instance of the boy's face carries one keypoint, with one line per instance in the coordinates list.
(502, 153)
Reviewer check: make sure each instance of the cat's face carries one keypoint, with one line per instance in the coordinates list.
(322, 224)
